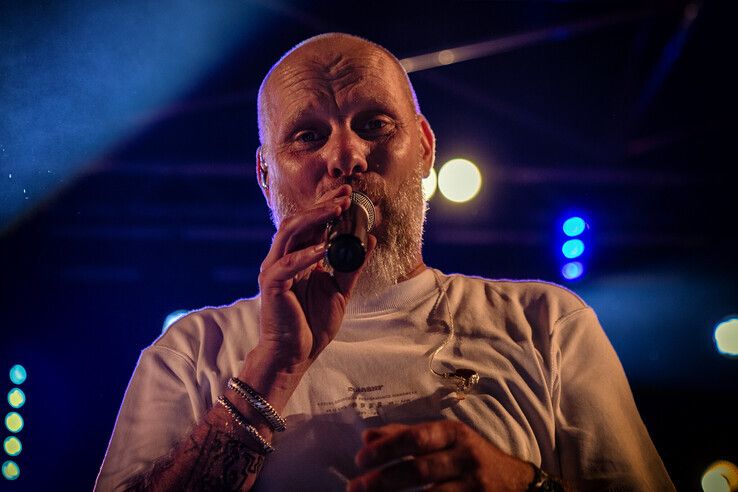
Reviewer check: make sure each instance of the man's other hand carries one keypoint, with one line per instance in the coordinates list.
(441, 455)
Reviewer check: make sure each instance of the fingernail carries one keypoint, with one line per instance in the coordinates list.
(319, 248)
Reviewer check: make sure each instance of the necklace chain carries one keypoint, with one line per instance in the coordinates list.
(464, 378)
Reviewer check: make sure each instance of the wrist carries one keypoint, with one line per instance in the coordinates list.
(273, 377)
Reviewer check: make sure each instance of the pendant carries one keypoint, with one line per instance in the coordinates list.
(465, 379)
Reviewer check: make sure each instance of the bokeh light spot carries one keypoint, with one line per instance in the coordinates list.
(720, 476)
(14, 422)
(18, 374)
(11, 470)
(429, 184)
(572, 270)
(446, 57)
(574, 226)
(12, 445)
(459, 180)
(16, 397)
(726, 337)
(573, 248)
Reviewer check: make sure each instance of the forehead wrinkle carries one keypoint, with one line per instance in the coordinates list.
(327, 69)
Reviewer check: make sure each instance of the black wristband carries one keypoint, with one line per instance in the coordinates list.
(542, 482)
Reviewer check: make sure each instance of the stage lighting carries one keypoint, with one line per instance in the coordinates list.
(11, 470)
(720, 476)
(573, 248)
(574, 226)
(172, 317)
(726, 337)
(17, 374)
(16, 397)
(429, 184)
(14, 422)
(12, 446)
(459, 180)
(572, 270)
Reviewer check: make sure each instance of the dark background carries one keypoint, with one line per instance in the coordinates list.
(127, 187)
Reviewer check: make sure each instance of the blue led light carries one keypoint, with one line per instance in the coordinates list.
(572, 270)
(14, 422)
(12, 446)
(573, 248)
(574, 226)
(17, 374)
(16, 397)
(11, 470)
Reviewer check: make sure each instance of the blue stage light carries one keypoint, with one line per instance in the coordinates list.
(574, 226)
(11, 470)
(573, 248)
(16, 397)
(17, 374)
(572, 270)
(14, 422)
(172, 317)
(12, 446)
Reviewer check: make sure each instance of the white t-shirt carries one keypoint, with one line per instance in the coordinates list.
(551, 389)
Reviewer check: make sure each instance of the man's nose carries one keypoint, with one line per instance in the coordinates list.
(347, 154)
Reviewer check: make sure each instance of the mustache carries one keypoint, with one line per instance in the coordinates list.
(371, 185)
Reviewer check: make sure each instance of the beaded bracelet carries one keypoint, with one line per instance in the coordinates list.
(266, 448)
(259, 403)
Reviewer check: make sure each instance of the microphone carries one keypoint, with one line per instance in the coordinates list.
(348, 234)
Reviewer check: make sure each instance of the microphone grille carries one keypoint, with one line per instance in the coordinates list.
(364, 202)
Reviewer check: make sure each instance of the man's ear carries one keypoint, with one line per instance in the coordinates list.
(428, 143)
(262, 173)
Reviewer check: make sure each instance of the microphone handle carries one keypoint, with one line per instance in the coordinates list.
(347, 240)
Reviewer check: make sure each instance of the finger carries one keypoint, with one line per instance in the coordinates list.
(282, 273)
(343, 190)
(414, 440)
(307, 223)
(441, 466)
(373, 433)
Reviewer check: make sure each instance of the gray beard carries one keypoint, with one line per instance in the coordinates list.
(399, 236)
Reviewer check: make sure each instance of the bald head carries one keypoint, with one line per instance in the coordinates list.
(337, 58)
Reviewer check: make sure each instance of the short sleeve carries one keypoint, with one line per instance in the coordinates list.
(602, 441)
(160, 406)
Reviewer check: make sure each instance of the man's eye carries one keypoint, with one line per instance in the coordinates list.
(375, 124)
(307, 136)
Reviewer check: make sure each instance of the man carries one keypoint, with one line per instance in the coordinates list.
(394, 377)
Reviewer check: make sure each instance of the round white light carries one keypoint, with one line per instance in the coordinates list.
(429, 184)
(726, 337)
(459, 180)
(720, 476)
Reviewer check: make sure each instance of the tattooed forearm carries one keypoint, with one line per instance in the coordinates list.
(211, 458)
(223, 463)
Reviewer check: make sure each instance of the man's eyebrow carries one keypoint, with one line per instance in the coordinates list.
(299, 118)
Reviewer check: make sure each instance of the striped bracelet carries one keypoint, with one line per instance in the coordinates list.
(259, 403)
(266, 448)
